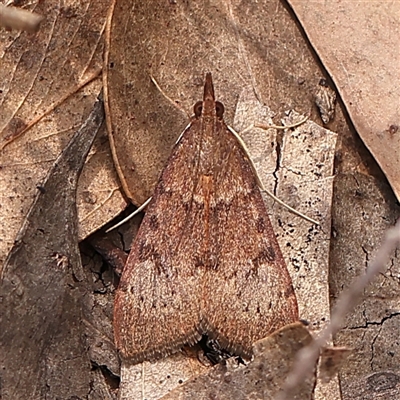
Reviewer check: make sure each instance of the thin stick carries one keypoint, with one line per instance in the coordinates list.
(16, 18)
(279, 127)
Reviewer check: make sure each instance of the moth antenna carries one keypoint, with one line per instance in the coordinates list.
(260, 184)
(142, 207)
(167, 97)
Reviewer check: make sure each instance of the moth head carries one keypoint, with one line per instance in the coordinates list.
(219, 109)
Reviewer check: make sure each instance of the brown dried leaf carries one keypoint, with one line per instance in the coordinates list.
(42, 287)
(154, 380)
(365, 207)
(236, 41)
(41, 75)
(331, 360)
(358, 44)
(263, 378)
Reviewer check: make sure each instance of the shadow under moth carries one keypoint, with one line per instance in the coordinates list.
(205, 259)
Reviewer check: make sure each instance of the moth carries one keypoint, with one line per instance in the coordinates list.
(205, 259)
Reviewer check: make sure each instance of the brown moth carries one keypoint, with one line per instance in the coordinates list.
(205, 259)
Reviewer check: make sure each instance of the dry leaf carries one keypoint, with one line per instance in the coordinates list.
(364, 209)
(331, 360)
(37, 72)
(262, 378)
(42, 335)
(153, 380)
(358, 44)
(236, 41)
(355, 42)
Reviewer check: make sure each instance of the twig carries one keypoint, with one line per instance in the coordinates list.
(15, 18)
(11, 137)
